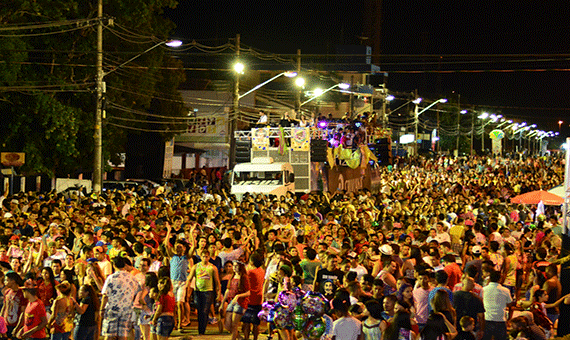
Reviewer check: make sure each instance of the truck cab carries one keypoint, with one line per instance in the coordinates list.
(263, 176)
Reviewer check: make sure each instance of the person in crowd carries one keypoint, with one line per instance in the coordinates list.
(207, 288)
(87, 310)
(116, 308)
(325, 242)
(33, 321)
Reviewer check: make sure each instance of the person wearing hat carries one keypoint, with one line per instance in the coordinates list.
(33, 321)
(60, 321)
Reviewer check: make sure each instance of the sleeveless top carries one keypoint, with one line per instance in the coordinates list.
(63, 322)
(204, 277)
(372, 332)
(511, 276)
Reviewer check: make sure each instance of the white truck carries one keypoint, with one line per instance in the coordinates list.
(264, 176)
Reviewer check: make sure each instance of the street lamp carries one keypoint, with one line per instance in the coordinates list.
(97, 179)
(239, 69)
(319, 92)
(417, 101)
(287, 74)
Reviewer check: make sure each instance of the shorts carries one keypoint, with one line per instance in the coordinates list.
(164, 326)
(142, 317)
(250, 315)
(234, 307)
(179, 290)
(117, 324)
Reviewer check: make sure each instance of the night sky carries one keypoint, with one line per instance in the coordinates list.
(441, 48)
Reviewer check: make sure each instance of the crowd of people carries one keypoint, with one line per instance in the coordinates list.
(437, 252)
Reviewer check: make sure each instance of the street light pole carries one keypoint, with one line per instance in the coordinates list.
(97, 179)
(235, 112)
(458, 122)
(342, 86)
(101, 90)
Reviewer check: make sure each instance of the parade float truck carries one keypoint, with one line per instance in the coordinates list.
(264, 176)
(274, 160)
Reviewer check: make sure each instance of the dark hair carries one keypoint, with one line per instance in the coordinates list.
(341, 305)
(51, 279)
(92, 295)
(119, 262)
(167, 285)
(400, 320)
(15, 277)
(256, 259)
(495, 276)
(434, 328)
(151, 280)
(311, 253)
(441, 276)
(375, 309)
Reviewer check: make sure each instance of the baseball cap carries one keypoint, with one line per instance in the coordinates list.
(351, 255)
(476, 250)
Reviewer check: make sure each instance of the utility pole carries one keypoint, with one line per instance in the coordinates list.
(298, 91)
(97, 178)
(235, 112)
(458, 122)
(472, 130)
(416, 120)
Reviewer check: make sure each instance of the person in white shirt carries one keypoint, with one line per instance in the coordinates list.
(262, 118)
(496, 299)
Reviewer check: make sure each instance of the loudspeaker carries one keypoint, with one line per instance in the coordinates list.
(243, 151)
(319, 150)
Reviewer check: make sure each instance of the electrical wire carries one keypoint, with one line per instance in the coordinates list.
(146, 130)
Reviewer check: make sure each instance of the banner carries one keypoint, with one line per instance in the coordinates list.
(300, 139)
(260, 139)
(497, 146)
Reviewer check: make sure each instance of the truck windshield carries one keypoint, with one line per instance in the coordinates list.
(258, 177)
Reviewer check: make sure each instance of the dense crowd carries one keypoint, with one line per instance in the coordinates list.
(437, 252)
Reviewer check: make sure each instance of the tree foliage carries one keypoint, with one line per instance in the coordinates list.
(48, 78)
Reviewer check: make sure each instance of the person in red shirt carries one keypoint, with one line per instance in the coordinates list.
(163, 319)
(14, 302)
(452, 269)
(33, 321)
(256, 275)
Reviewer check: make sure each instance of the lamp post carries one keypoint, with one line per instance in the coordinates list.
(239, 69)
(97, 179)
(319, 92)
(417, 115)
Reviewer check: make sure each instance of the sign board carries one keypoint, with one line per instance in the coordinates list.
(13, 158)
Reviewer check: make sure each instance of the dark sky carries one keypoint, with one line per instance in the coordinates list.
(449, 29)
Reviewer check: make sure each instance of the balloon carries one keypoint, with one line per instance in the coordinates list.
(287, 299)
(268, 305)
(315, 328)
(282, 318)
(314, 304)
(299, 319)
(299, 294)
(263, 315)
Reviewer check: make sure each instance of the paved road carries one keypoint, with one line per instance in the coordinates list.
(212, 333)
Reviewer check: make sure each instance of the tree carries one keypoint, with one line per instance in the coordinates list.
(47, 78)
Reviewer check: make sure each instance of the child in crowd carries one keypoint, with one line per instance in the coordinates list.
(467, 324)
